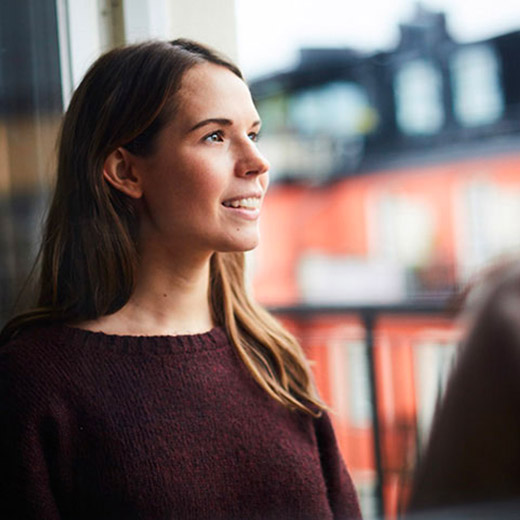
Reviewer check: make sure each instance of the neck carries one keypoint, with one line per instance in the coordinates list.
(173, 299)
(170, 297)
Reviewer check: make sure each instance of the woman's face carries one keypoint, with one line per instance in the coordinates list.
(203, 185)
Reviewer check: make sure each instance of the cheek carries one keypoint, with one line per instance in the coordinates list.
(186, 185)
(205, 181)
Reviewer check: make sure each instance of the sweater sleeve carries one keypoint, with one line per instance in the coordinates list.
(340, 488)
(25, 432)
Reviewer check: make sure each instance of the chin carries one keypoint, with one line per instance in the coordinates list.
(238, 246)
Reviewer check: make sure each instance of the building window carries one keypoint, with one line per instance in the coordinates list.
(407, 229)
(338, 108)
(315, 132)
(478, 98)
(491, 225)
(418, 91)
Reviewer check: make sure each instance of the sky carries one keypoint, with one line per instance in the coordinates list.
(270, 32)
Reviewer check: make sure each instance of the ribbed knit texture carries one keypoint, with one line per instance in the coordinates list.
(96, 426)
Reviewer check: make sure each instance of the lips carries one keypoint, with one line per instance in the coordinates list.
(246, 203)
(249, 202)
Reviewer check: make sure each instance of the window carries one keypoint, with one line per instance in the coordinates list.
(336, 108)
(478, 98)
(490, 223)
(314, 132)
(418, 91)
(407, 229)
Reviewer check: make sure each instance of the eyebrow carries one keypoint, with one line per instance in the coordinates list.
(219, 121)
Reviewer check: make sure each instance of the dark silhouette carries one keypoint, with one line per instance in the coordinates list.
(472, 459)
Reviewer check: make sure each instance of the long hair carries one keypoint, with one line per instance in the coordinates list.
(88, 258)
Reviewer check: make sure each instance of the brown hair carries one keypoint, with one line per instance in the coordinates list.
(88, 255)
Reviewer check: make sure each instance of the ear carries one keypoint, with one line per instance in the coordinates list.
(120, 172)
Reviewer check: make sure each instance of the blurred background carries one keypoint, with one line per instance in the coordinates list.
(393, 130)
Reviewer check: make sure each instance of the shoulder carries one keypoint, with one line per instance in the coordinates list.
(340, 487)
(326, 439)
(32, 345)
(32, 362)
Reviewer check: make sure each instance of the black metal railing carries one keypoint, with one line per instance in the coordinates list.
(369, 315)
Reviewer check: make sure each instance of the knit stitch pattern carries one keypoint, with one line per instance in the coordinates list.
(97, 426)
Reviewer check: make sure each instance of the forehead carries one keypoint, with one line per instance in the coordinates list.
(209, 90)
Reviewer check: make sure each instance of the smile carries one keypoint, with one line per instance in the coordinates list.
(251, 203)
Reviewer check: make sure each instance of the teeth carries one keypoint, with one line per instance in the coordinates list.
(249, 203)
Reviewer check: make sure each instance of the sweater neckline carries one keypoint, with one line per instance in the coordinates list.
(159, 344)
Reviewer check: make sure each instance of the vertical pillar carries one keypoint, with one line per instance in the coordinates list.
(369, 320)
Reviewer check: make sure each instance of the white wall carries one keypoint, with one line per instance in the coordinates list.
(212, 22)
(84, 28)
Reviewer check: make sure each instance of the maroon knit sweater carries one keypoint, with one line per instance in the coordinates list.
(96, 426)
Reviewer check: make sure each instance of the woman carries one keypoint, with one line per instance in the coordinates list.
(146, 384)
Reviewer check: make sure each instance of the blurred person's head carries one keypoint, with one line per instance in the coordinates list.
(471, 459)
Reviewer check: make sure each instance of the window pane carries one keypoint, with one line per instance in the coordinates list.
(418, 90)
(477, 91)
(337, 108)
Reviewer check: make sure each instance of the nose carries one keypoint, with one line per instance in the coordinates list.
(251, 160)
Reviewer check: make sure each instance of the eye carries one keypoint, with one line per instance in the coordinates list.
(254, 136)
(214, 137)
